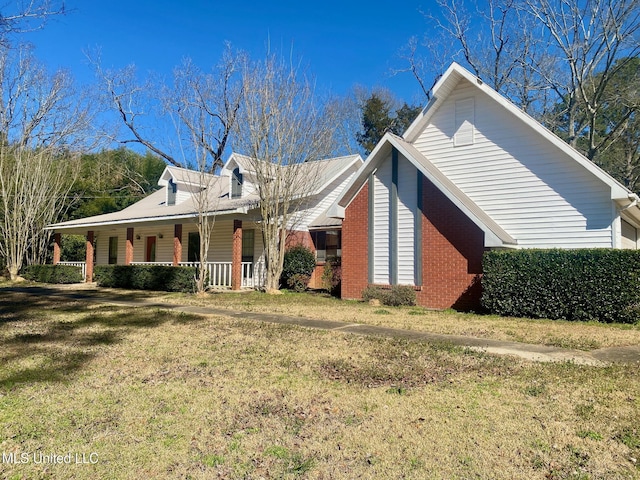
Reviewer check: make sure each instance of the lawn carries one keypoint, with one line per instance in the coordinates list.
(145, 393)
(565, 334)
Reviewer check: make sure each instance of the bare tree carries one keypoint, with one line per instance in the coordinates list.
(498, 41)
(201, 110)
(284, 132)
(554, 58)
(197, 111)
(592, 41)
(26, 16)
(42, 121)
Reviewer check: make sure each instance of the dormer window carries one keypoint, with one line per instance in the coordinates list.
(236, 184)
(172, 189)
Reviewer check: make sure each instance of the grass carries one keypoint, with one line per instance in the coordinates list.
(153, 394)
(559, 333)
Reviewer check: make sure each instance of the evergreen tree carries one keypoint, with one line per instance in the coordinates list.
(111, 180)
(378, 117)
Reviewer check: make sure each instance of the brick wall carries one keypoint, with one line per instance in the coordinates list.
(355, 228)
(451, 254)
(297, 237)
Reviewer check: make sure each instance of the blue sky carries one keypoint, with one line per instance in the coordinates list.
(343, 43)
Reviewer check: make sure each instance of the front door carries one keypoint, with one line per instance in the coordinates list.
(151, 249)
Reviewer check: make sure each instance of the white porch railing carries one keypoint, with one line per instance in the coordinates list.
(82, 265)
(219, 272)
(253, 274)
(162, 264)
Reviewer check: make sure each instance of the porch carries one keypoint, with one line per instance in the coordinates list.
(219, 274)
(235, 256)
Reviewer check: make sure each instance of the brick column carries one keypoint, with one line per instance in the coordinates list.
(177, 244)
(128, 249)
(236, 258)
(57, 239)
(89, 258)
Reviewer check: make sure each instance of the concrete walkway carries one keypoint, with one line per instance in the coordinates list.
(539, 353)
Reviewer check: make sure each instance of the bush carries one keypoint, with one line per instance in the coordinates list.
(397, 295)
(53, 273)
(299, 263)
(146, 277)
(332, 277)
(298, 282)
(585, 284)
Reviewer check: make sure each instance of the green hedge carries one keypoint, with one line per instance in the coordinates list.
(585, 284)
(53, 273)
(146, 277)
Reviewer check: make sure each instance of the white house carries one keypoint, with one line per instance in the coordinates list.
(472, 172)
(162, 228)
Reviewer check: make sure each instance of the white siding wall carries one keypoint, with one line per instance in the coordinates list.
(529, 187)
(320, 203)
(221, 244)
(164, 245)
(407, 206)
(102, 245)
(183, 193)
(381, 191)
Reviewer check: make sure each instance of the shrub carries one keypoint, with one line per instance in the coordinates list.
(146, 277)
(53, 273)
(400, 295)
(332, 277)
(585, 284)
(298, 282)
(397, 295)
(299, 262)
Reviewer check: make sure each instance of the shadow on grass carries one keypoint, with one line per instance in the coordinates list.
(51, 338)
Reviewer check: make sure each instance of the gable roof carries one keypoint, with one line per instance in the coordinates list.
(153, 208)
(327, 170)
(495, 236)
(185, 176)
(450, 80)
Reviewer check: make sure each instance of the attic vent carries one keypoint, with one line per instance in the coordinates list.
(465, 119)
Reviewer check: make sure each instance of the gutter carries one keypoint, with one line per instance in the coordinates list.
(63, 226)
(634, 201)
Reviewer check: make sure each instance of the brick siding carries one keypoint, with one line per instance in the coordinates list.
(355, 255)
(452, 248)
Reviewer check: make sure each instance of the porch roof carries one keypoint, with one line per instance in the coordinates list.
(153, 209)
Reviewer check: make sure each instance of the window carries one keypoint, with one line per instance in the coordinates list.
(236, 184)
(248, 241)
(172, 190)
(113, 250)
(193, 247)
(328, 244)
